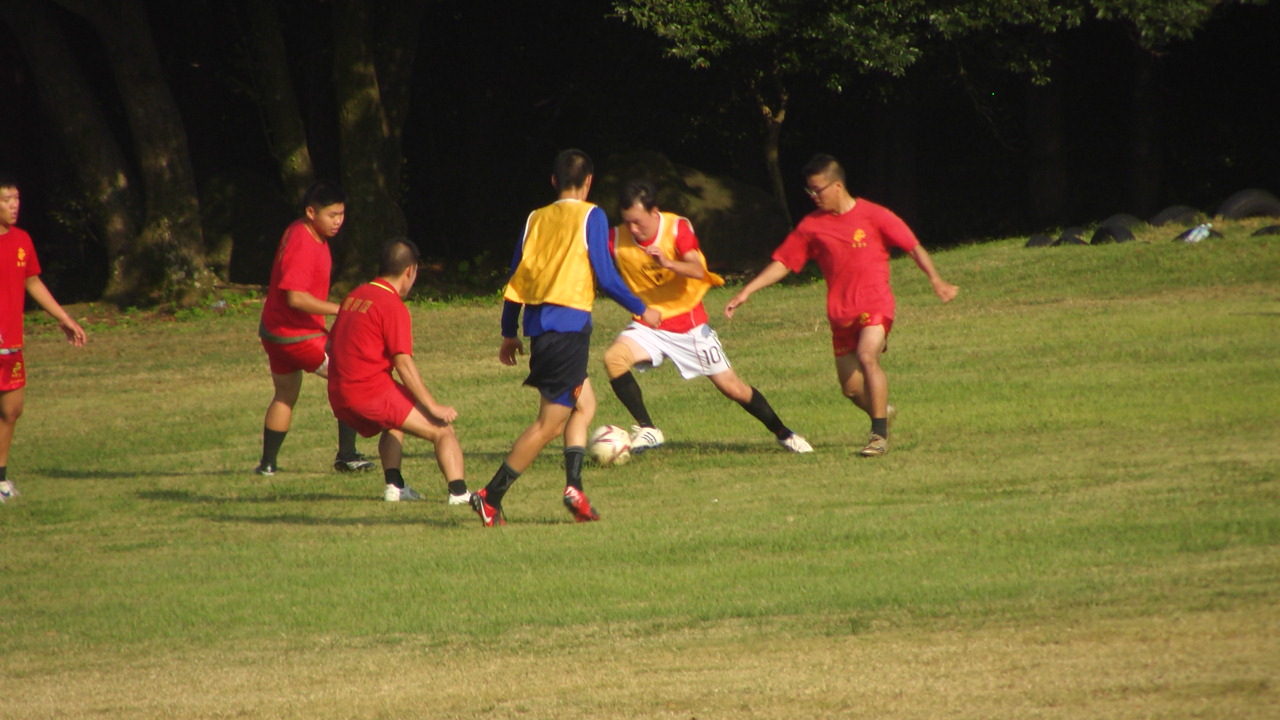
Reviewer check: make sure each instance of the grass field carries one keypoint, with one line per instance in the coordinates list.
(1079, 518)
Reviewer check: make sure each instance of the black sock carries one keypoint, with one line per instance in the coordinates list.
(628, 392)
(457, 487)
(880, 426)
(346, 441)
(4, 473)
(271, 442)
(573, 466)
(498, 486)
(761, 410)
(393, 477)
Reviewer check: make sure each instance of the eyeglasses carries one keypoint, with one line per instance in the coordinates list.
(815, 193)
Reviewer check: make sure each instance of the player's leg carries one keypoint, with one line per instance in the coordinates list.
(619, 358)
(348, 458)
(863, 381)
(448, 451)
(755, 403)
(11, 404)
(575, 451)
(391, 452)
(278, 419)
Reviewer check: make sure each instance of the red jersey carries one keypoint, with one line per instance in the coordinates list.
(17, 263)
(686, 241)
(852, 250)
(372, 327)
(302, 263)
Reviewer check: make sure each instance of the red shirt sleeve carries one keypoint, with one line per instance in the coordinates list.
(300, 265)
(794, 250)
(398, 330)
(894, 230)
(686, 241)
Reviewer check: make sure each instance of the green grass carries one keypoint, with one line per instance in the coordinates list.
(1086, 456)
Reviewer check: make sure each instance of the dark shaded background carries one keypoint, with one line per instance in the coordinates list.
(500, 87)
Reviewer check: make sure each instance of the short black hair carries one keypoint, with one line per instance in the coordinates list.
(638, 191)
(572, 168)
(397, 255)
(7, 180)
(322, 194)
(824, 164)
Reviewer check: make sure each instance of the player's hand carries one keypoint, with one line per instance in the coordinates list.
(511, 347)
(75, 334)
(444, 413)
(658, 256)
(651, 317)
(733, 304)
(945, 291)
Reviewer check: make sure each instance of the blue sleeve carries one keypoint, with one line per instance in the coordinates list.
(602, 263)
(511, 310)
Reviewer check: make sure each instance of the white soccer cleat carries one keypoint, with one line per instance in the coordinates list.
(795, 444)
(462, 499)
(8, 490)
(404, 494)
(645, 438)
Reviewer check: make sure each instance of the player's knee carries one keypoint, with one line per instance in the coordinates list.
(618, 360)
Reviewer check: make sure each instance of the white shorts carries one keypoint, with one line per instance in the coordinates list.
(696, 353)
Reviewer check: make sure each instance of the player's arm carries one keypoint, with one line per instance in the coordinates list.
(308, 303)
(408, 372)
(945, 291)
(772, 273)
(607, 274)
(689, 264)
(40, 293)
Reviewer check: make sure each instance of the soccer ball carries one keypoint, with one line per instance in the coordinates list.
(610, 445)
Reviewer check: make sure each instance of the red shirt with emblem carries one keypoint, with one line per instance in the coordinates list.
(17, 263)
(302, 263)
(372, 327)
(852, 250)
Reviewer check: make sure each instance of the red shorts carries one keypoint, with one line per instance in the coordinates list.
(286, 358)
(382, 411)
(13, 372)
(844, 339)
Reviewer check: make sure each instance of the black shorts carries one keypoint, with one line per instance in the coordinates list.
(558, 365)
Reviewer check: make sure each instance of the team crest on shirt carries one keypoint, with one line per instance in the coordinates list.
(22, 257)
(859, 238)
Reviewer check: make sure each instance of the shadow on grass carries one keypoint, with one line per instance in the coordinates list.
(298, 519)
(186, 496)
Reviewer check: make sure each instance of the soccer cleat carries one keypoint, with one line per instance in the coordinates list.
(404, 494)
(575, 501)
(645, 438)
(795, 444)
(265, 469)
(8, 490)
(352, 463)
(463, 498)
(877, 445)
(490, 515)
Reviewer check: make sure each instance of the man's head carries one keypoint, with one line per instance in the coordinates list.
(824, 182)
(572, 170)
(639, 209)
(398, 263)
(9, 201)
(325, 205)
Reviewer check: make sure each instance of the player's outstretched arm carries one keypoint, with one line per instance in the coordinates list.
(40, 293)
(772, 273)
(945, 291)
(408, 373)
(308, 303)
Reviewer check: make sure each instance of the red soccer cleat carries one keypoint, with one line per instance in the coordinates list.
(489, 515)
(575, 501)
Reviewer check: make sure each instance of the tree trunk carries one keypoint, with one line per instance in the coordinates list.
(369, 146)
(1047, 164)
(83, 130)
(286, 133)
(1144, 163)
(169, 257)
(773, 114)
